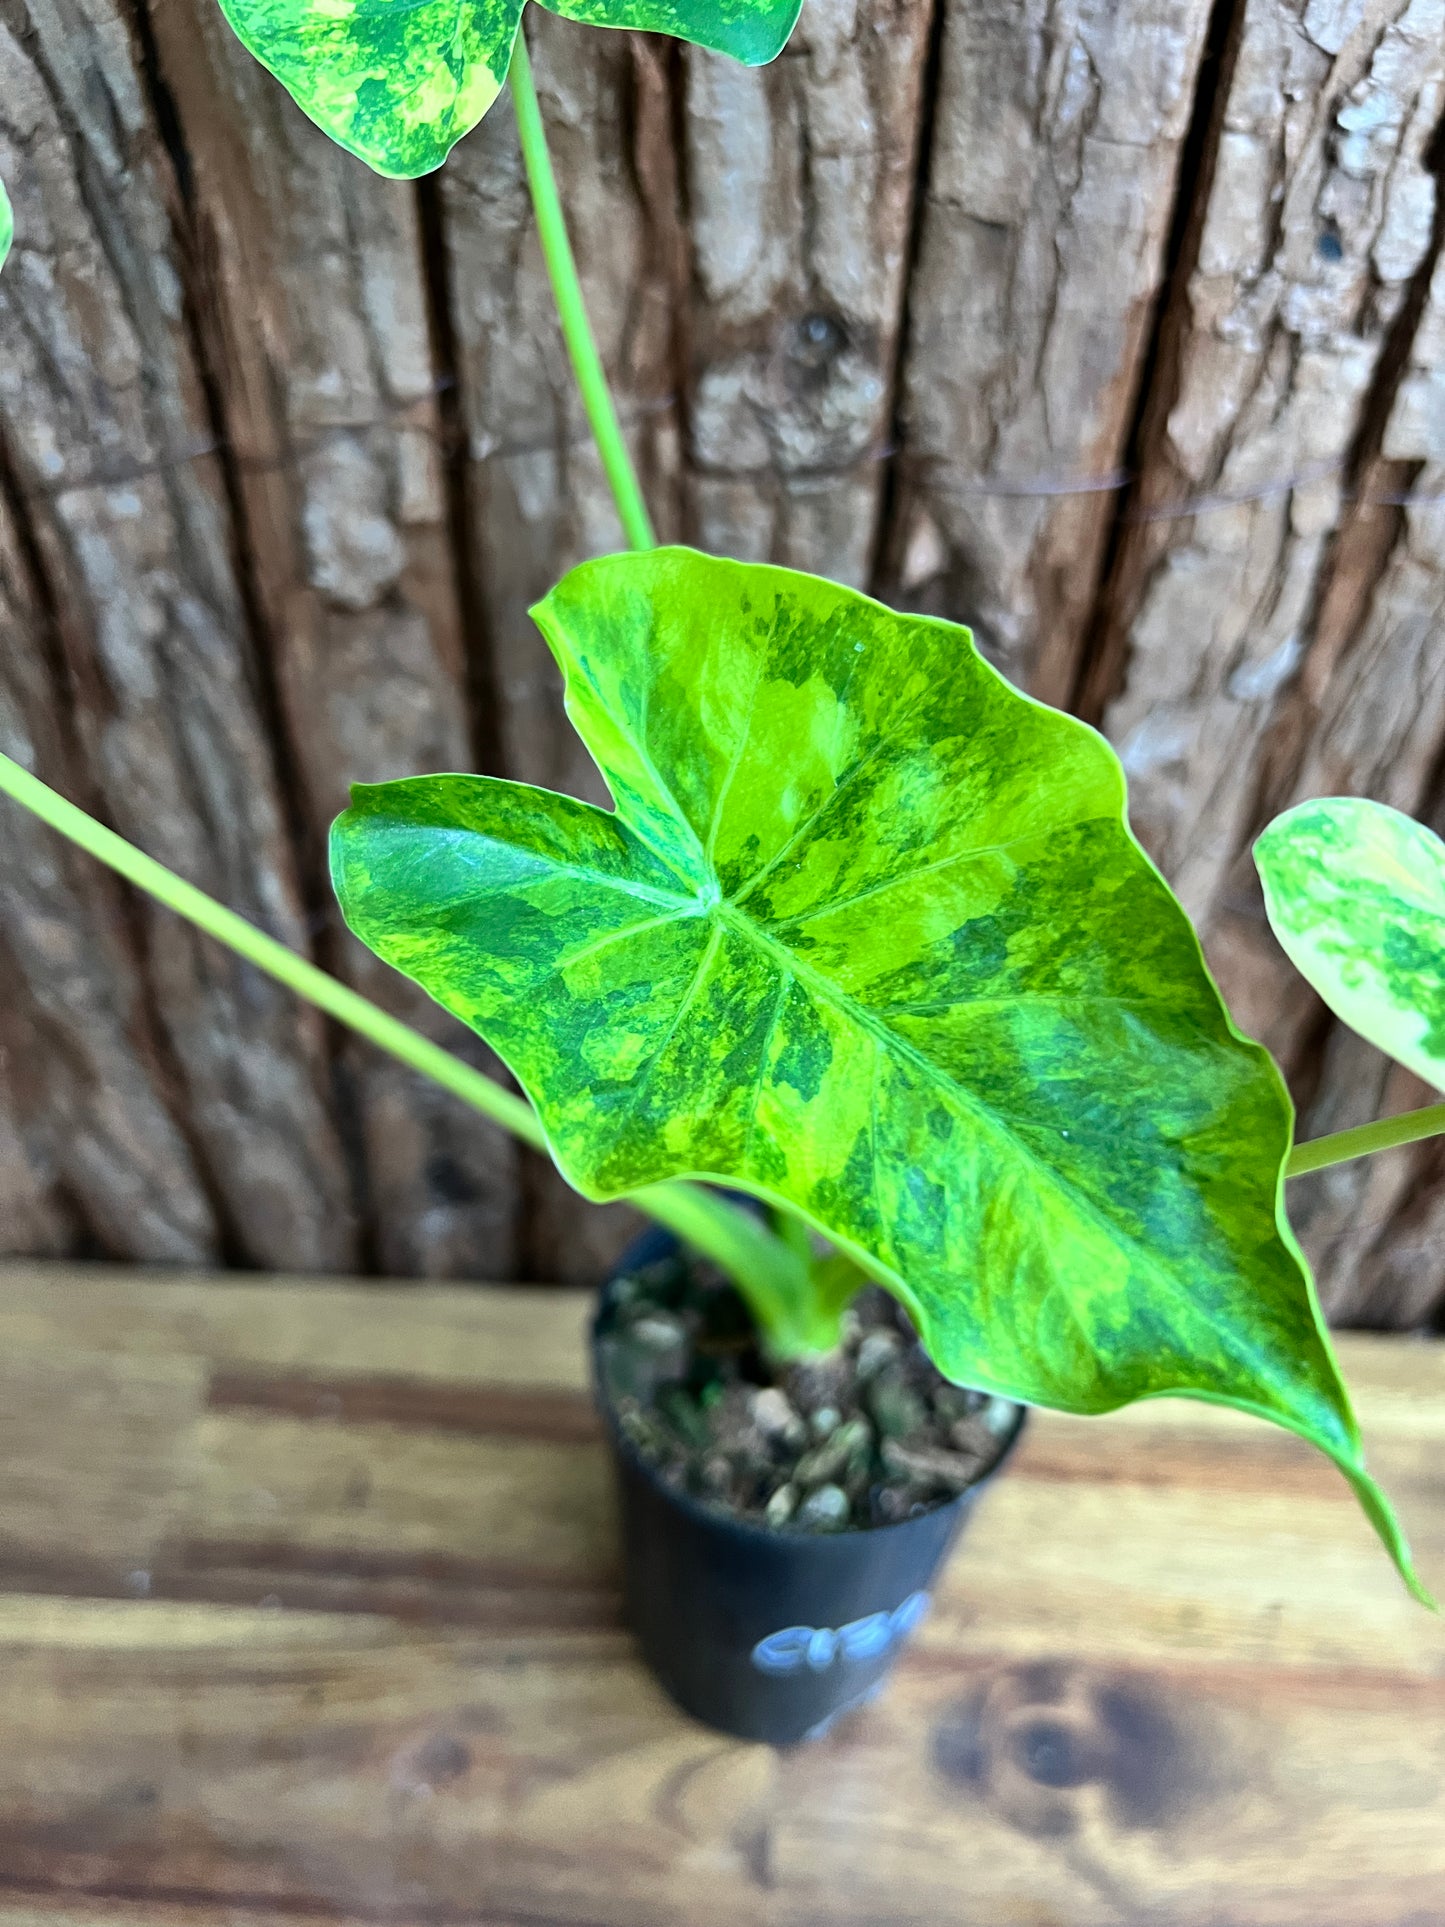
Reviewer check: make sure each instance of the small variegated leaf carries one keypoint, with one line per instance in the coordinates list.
(868, 935)
(1355, 892)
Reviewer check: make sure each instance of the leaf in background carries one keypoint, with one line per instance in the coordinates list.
(1356, 895)
(399, 82)
(868, 934)
(7, 224)
(752, 31)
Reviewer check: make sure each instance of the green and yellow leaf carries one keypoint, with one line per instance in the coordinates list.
(1355, 892)
(399, 82)
(867, 934)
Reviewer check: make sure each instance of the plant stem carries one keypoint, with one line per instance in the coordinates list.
(571, 309)
(734, 1239)
(1383, 1135)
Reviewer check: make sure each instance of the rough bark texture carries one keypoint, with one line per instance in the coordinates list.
(311, 289)
(1054, 169)
(1116, 329)
(1274, 612)
(1319, 215)
(92, 1151)
(800, 182)
(1375, 726)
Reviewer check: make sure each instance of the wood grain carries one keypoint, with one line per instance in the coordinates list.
(308, 1610)
(125, 518)
(800, 182)
(535, 499)
(1320, 215)
(1058, 131)
(94, 1149)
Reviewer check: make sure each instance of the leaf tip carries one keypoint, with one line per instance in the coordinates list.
(1381, 1515)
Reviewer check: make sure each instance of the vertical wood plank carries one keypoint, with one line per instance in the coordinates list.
(104, 418)
(88, 1132)
(38, 1219)
(1274, 641)
(313, 296)
(1368, 718)
(228, 360)
(800, 187)
(537, 497)
(537, 501)
(1318, 219)
(1056, 150)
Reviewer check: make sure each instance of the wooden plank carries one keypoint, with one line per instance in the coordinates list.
(1056, 148)
(1170, 1676)
(95, 1148)
(1319, 219)
(314, 304)
(1368, 718)
(1093, 1792)
(1276, 640)
(230, 548)
(536, 499)
(424, 1335)
(106, 429)
(536, 494)
(800, 186)
(358, 1772)
(38, 1219)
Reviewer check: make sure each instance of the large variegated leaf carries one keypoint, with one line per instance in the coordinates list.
(399, 82)
(1356, 895)
(867, 934)
(7, 224)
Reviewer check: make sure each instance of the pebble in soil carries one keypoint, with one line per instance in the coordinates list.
(867, 1436)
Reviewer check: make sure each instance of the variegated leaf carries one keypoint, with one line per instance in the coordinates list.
(868, 934)
(1355, 892)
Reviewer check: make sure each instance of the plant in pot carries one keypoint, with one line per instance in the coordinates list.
(866, 938)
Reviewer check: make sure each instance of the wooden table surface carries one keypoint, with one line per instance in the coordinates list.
(308, 1612)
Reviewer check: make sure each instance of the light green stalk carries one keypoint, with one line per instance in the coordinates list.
(571, 309)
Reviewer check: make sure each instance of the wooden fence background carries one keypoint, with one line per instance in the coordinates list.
(1116, 327)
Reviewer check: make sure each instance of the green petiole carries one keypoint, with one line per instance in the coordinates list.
(571, 309)
(1383, 1135)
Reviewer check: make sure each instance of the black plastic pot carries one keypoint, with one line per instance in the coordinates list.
(767, 1635)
